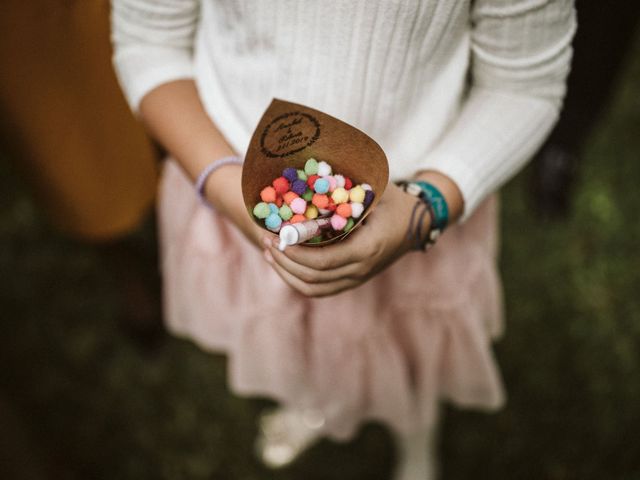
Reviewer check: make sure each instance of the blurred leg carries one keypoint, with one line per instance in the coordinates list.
(65, 123)
(605, 32)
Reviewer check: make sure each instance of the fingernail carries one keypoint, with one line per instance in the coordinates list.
(268, 257)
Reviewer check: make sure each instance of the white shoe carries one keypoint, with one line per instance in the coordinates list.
(285, 434)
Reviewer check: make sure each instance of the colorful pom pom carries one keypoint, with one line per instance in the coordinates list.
(321, 185)
(344, 210)
(268, 194)
(338, 222)
(312, 212)
(273, 222)
(312, 180)
(356, 194)
(324, 212)
(347, 183)
(340, 195)
(368, 198)
(339, 180)
(302, 175)
(298, 218)
(285, 212)
(320, 200)
(273, 208)
(324, 169)
(356, 209)
(281, 185)
(289, 197)
(316, 239)
(279, 201)
(298, 186)
(349, 225)
(332, 182)
(299, 205)
(308, 195)
(261, 210)
(311, 167)
(366, 186)
(290, 174)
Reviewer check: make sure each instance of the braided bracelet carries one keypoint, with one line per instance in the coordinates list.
(438, 214)
(209, 169)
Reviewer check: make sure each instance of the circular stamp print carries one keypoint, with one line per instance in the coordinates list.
(289, 133)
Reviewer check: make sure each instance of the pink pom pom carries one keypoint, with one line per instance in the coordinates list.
(338, 222)
(332, 182)
(298, 205)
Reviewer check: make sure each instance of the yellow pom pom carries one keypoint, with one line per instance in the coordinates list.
(340, 195)
(356, 194)
(312, 212)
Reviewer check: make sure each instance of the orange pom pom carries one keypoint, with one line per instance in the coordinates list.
(298, 218)
(279, 201)
(289, 197)
(344, 210)
(268, 195)
(320, 200)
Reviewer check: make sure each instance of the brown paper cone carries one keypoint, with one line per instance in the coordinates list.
(289, 134)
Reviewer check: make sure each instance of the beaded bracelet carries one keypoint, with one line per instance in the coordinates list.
(209, 169)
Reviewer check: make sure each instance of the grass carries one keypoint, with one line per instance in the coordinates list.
(80, 400)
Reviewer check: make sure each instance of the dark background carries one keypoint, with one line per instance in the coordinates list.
(81, 398)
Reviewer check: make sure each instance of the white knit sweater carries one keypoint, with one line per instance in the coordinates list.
(468, 88)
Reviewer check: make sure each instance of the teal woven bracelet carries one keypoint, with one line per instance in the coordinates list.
(438, 202)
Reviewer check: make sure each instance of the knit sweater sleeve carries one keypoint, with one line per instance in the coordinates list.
(153, 43)
(520, 57)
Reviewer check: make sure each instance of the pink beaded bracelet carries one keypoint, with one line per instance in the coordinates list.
(209, 169)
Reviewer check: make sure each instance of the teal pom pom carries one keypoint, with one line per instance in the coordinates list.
(273, 221)
(274, 208)
(261, 210)
(321, 185)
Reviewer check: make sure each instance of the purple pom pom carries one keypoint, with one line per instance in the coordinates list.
(290, 174)
(299, 186)
(368, 198)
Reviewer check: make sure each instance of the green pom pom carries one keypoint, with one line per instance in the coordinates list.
(261, 210)
(317, 239)
(311, 167)
(349, 225)
(308, 195)
(302, 175)
(285, 212)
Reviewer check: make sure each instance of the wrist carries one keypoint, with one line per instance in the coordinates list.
(449, 190)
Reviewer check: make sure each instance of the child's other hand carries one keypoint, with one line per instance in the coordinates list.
(318, 272)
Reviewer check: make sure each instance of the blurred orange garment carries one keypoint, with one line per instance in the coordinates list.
(63, 117)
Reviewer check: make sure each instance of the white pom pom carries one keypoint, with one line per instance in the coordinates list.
(324, 211)
(366, 186)
(324, 169)
(356, 209)
(339, 181)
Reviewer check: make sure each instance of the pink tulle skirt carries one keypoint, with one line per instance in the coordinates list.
(389, 350)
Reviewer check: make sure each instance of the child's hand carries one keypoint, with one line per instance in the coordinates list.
(317, 272)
